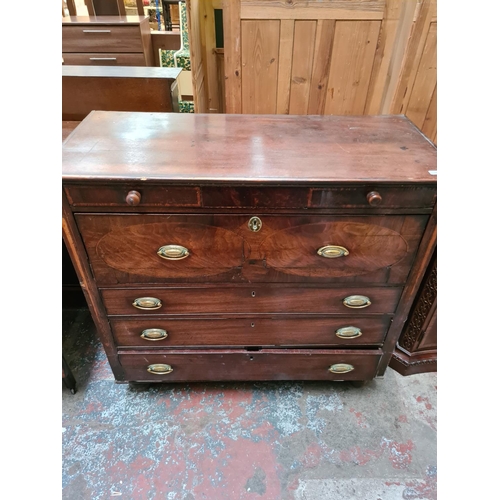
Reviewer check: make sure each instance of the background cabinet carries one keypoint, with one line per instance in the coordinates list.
(107, 41)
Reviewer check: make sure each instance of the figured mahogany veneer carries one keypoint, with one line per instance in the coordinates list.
(123, 248)
(233, 247)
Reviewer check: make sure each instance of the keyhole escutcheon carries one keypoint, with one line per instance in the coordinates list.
(254, 224)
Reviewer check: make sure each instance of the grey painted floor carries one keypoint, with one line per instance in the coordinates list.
(307, 441)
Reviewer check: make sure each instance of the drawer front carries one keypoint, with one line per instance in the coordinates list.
(116, 196)
(279, 197)
(104, 59)
(374, 197)
(250, 331)
(103, 38)
(139, 249)
(376, 250)
(267, 364)
(246, 300)
(359, 197)
(256, 197)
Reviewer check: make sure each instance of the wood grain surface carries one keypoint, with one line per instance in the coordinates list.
(267, 364)
(228, 148)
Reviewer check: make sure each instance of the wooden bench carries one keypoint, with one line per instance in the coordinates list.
(120, 88)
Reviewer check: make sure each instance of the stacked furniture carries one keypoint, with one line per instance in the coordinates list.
(107, 41)
(236, 247)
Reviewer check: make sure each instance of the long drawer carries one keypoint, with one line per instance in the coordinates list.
(266, 364)
(250, 331)
(357, 197)
(104, 59)
(250, 300)
(126, 248)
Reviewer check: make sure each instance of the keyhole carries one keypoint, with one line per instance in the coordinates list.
(253, 294)
(254, 224)
(251, 358)
(252, 324)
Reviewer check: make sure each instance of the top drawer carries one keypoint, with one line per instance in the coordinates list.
(102, 38)
(363, 197)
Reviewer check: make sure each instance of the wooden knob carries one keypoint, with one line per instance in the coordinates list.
(374, 198)
(133, 198)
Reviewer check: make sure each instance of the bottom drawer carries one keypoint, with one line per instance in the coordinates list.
(241, 365)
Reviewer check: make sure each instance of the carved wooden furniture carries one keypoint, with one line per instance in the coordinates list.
(106, 41)
(88, 88)
(416, 349)
(236, 247)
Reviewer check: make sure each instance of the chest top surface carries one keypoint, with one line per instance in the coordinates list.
(219, 148)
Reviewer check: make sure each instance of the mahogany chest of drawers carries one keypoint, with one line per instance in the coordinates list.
(239, 247)
(107, 41)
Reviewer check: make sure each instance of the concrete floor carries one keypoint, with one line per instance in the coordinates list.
(268, 441)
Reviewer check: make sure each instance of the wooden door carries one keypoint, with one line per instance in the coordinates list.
(416, 93)
(316, 57)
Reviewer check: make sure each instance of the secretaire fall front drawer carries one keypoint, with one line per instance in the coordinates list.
(159, 249)
(270, 299)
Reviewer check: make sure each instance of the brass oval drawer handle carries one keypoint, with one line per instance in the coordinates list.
(154, 334)
(341, 368)
(160, 369)
(348, 332)
(357, 301)
(147, 303)
(173, 252)
(333, 251)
